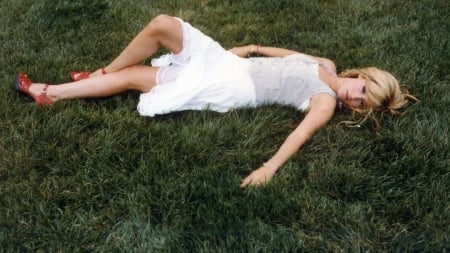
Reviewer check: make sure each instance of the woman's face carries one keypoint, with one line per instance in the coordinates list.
(353, 93)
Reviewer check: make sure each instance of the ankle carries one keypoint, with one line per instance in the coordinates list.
(49, 91)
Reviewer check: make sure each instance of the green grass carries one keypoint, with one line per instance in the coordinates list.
(94, 176)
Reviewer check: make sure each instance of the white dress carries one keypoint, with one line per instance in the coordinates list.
(202, 76)
(292, 80)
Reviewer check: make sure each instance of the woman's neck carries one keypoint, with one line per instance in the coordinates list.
(337, 82)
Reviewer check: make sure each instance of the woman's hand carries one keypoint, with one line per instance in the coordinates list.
(244, 51)
(258, 177)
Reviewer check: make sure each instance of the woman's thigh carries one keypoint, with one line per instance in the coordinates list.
(138, 77)
(169, 32)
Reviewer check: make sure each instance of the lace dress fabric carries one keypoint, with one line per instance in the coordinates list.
(291, 80)
(203, 76)
(206, 76)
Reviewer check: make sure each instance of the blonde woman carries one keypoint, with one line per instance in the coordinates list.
(200, 74)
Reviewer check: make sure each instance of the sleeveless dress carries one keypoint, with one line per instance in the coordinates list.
(206, 76)
(291, 80)
(202, 76)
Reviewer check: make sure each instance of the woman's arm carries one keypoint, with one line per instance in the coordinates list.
(249, 50)
(246, 51)
(322, 109)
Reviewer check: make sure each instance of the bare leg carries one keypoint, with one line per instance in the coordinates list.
(138, 77)
(123, 72)
(162, 31)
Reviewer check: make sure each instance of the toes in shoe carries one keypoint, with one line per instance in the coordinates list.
(79, 75)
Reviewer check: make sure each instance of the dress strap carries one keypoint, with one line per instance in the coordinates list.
(309, 60)
(328, 68)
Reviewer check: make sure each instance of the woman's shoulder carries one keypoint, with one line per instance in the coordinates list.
(326, 62)
(329, 63)
(321, 60)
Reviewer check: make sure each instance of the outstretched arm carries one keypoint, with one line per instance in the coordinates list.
(249, 50)
(322, 109)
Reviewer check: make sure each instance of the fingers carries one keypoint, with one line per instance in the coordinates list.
(251, 181)
(245, 182)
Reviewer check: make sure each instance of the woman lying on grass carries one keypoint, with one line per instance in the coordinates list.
(200, 74)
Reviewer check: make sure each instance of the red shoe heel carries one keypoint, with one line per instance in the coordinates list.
(23, 84)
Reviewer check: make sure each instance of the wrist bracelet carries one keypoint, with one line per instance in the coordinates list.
(253, 51)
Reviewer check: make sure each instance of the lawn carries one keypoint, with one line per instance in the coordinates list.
(91, 175)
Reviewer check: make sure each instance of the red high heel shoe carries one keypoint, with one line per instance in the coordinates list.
(23, 84)
(80, 75)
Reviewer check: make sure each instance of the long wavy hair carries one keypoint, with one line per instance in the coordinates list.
(384, 94)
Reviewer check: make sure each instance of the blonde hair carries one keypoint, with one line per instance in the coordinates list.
(384, 93)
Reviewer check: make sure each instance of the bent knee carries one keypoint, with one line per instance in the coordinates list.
(162, 23)
(167, 31)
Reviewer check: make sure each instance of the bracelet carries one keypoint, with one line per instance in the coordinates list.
(252, 51)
